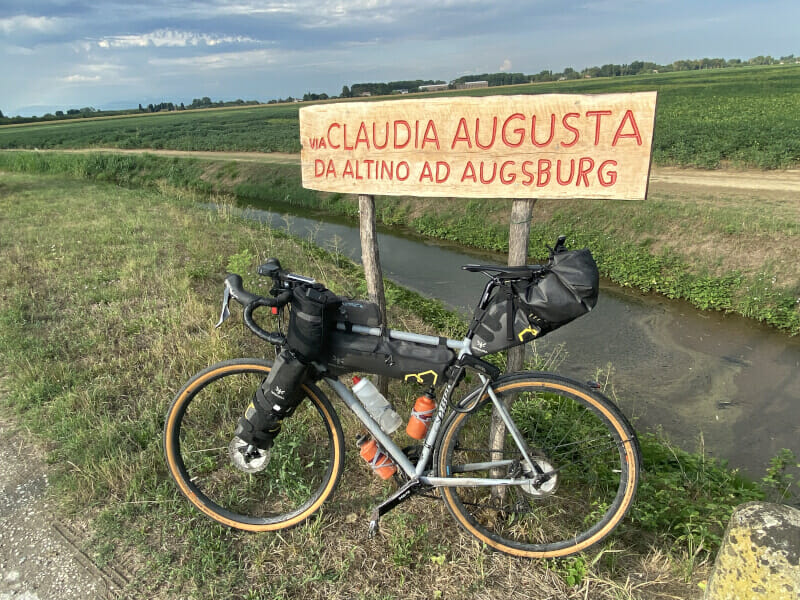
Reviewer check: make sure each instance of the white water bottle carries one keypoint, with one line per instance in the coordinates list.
(377, 406)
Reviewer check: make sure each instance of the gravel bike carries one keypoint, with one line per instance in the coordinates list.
(559, 477)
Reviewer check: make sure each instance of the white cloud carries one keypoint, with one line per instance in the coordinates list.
(506, 66)
(79, 78)
(171, 38)
(27, 23)
(223, 60)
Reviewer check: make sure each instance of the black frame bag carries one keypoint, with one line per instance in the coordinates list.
(408, 361)
(566, 289)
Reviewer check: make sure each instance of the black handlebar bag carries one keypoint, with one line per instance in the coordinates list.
(313, 311)
(523, 310)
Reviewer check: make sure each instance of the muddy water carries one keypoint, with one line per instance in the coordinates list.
(721, 383)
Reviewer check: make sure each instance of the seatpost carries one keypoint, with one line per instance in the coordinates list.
(487, 291)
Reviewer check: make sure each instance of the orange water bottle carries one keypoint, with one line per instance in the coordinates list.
(421, 416)
(375, 456)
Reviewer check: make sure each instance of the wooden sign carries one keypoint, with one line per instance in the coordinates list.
(533, 146)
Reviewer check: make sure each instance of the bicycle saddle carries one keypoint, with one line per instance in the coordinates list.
(504, 271)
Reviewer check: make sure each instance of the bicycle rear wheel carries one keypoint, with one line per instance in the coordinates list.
(305, 461)
(574, 434)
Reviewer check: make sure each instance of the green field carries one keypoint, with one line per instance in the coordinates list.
(747, 117)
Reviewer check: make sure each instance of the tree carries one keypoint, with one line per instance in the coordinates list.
(1, 114)
(345, 92)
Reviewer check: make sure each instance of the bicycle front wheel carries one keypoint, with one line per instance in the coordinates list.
(581, 443)
(305, 461)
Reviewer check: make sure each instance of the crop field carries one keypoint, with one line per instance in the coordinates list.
(745, 117)
(262, 129)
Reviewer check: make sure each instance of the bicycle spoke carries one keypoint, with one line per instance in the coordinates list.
(580, 471)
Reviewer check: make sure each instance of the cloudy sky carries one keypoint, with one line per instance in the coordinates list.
(110, 54)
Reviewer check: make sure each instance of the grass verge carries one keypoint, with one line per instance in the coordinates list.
(109, 297)
(719, 251)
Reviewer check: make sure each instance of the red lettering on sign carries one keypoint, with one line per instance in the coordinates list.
(552, 131)
(529, 177)
(330, 143)
(406, 170)
(543, 172)
(375, 143)
(494, 168)
(387, 169)
(462, 134)
(348, 170)
(344, 135)
(331, 170)
(440, 176)
(319, 167)
(469, 172)
(361, 136)
(507, 179)
(571, 172)
(430, 129)
(635, 134)
(519, 131)
(611, 179)
(597, 114)
(585, 166)
(574, 131)
(477, 134)
(397, 144)
(426, 172)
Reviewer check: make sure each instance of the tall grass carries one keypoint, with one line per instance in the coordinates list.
(110, 307)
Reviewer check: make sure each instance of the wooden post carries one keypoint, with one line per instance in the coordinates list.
(370, 258)
(518, 236)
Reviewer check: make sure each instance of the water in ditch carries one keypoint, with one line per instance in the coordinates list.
(720, 383)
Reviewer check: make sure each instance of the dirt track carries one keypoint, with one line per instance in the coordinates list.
(770, 181)
(41, 556)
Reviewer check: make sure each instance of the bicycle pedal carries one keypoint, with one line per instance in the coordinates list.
(374, 523)
(373, 529)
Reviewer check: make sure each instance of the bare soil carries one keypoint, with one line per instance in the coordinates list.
(41, 555)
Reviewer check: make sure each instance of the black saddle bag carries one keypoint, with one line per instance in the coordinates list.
(521, 311)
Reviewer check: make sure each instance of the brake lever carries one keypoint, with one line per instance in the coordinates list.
(226, 300)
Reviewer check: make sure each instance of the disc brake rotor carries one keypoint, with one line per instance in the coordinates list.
(539, 487)
(247, 458)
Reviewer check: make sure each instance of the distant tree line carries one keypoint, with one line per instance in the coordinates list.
(384, 89)
(636, 67)
(88, 111)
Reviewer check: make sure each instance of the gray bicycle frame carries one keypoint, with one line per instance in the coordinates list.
(415, 472)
